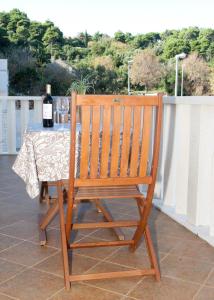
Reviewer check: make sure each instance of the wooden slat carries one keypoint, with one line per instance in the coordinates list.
(113, 181)
(95, 142)
(135, 142)
(116, 100)
(147, 121)
(110, 275)
(85, 140)
(115, 141)
(107, 192)
(126, 141)
(101, 244)
(108, 224)
(105, 141)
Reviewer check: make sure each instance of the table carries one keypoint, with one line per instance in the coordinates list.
(44, 155)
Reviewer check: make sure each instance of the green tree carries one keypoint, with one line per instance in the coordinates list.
(18, 27)
(53, 40)
(144, 41)
(4, 42)
(173, 46)
(120, 36)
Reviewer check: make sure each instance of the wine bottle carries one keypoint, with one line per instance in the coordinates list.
(47, 109)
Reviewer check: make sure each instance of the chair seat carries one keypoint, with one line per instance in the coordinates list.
(107, 192)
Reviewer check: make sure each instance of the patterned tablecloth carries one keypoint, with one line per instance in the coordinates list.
(44, 156)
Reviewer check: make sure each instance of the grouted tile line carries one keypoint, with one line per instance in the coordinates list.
(134, 286)
(203, 284)
(102, 289)
(12, 261)
(20, 242)
(99, 260)
(212, 271)
(188, 257)
(28, 268)
(10, 297)
(12, 246)
(128, 297)
(183, 280)
(40, 261)
(18, 238)
(12, 277)
(47, 272)
(197, 292)
(45, 246)
(11, 224)
(56, 293)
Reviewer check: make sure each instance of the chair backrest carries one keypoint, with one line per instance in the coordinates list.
(119, 135)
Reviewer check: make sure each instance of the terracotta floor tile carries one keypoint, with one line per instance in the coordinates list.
(32, 285)
(120, 285)
(185, 268)
(83, 292)
(98, 252)
(206, 293)
(22, 229)
(104, 234)
(4, 297)
(195, 249)
(27, 253)
(137, 259)
(8, 269)
(79, 264)
(171, 228)
(54, 238)
(6, 242)
(210, 279)
(167, 289)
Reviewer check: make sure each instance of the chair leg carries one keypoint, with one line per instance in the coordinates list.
(69, 217)
(44, 193)
(151, 252)
(141, 227)
(41, 196)
(63, 238)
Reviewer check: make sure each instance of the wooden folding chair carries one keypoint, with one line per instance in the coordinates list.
(119, 135)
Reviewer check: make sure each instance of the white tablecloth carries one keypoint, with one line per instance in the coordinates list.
(44, 156)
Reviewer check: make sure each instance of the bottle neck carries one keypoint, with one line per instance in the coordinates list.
(48, 89)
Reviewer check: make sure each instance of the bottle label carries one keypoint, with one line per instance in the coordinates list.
(47, 111)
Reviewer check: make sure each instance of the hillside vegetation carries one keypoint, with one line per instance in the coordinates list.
(36, 52)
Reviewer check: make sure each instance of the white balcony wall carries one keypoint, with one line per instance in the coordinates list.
(186, 172)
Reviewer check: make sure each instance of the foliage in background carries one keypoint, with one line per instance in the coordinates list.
(33, 49)
(81, 86)
(146, 69)
(197, 73)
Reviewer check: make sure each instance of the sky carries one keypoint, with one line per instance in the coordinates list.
(109, 16)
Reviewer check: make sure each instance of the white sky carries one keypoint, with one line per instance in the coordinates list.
(135, 16)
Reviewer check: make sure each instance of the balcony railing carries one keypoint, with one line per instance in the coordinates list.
(16, 112)
(186, 173)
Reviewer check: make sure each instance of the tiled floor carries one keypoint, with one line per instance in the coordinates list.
(30, 272)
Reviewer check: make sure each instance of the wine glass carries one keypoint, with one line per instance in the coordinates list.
(64, 110)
